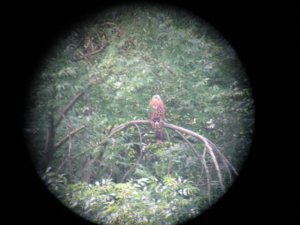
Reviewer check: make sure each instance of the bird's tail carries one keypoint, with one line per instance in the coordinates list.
(159, 135)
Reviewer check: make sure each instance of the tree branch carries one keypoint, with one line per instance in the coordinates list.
(140, 156)
(202, 162)
(223, 158)
(64, 139)
(69, 128)
(209, 146)
(68, 106)
(49, 145)
(86, 56)
(122, 127)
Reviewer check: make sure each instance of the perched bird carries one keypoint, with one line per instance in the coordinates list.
(157, 116)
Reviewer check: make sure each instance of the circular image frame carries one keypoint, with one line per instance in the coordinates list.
(89, 107)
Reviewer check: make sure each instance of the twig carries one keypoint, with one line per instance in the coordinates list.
(168, 136)
(67, 123)
(202, 162)
(140, 156)
(122, 127)
(86, 56)
(115, 26)
(205, 141)
(83, 56)
(140, 134)
(209, 146)
(49, 145)
(208, 175)
(68, 106)
(169, 165)
(224, 158)
(64, 139)
(68, 157)
(110, 171)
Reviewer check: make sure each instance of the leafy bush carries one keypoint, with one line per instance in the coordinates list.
(138, 201)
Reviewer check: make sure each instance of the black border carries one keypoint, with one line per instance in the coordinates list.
(263, 36)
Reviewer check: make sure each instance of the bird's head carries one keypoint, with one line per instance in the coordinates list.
(156, 97)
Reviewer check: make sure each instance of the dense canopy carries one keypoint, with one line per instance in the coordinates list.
(101, 75)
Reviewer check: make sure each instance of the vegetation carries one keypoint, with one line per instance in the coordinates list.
(101, 76)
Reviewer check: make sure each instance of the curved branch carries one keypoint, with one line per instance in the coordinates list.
(140, 156)
(140, 134)
(122, 127)
(207, 145)
(208, 174)
(201, 160)
(225, 160)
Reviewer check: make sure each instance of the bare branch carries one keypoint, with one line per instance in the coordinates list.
(122, 127)
(207, 145)
(115, 26)
(64, 139)
(140, 134)
(168, 136)
(208, 174)
(201, 160)
(140, 156)
(69, 128)
(225, 160)
(87, 55)
(68, 106)
(49, 145)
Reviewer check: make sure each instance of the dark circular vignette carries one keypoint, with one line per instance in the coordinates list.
(233, 192)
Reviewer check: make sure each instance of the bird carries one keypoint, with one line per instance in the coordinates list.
(157, 117)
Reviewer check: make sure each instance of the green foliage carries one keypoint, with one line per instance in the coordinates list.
(120, 60)
(138, 201)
